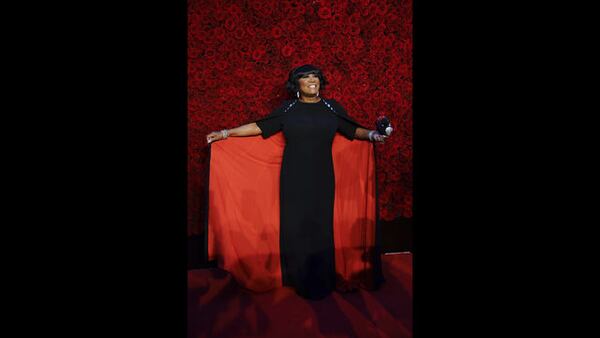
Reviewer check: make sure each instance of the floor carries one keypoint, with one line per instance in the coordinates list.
(217, 307)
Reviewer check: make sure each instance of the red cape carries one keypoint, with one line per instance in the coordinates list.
(243, 211)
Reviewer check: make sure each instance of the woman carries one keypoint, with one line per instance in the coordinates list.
(309, 124)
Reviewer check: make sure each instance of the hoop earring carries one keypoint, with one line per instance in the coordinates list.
(298, 94)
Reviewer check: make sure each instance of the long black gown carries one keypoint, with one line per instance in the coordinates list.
(307, 189)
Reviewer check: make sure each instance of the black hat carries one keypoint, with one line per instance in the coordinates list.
(304, 69)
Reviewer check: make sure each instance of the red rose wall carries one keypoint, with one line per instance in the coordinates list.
(239, 56)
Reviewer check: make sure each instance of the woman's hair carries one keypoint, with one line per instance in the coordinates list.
(292, 82)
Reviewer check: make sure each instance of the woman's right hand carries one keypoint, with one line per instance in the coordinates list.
(214, 136)
(379, 138)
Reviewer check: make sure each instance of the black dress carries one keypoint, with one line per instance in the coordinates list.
(307, 189)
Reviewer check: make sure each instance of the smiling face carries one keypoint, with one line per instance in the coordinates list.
(309, 85)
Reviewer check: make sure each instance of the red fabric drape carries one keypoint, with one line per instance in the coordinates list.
(243, 217)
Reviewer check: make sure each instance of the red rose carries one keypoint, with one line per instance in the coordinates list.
(358, 44)
(384, 213)
(266, 11)
(334, 76)
(367, 107)
(358, 72)
(230, 24)
(239, 33)
(310, 11)
(250, 30)
(354, 19)
(219, 33)
(276, 32)
(324, 13)
(300, 10)
(373, 8)
(337, 19)
(257, 6)
(303, 43)
(382, 8)
(220, 14)
(210, 83)
(221, 65)
(224, 48)
(286, 6)
(286, 25)
(295, 10)
(210, 53)
(287, 50)
(342, 55)
(258, 54)
(234, 11)
(233, 58)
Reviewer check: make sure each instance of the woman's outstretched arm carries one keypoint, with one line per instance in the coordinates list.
(250, 129)
(363, 134)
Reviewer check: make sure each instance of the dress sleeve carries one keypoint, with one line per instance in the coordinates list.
(345, 127)
(273, 122)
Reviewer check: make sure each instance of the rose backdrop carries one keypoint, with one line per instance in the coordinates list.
(239, 56)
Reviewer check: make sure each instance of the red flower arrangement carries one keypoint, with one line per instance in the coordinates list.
(363, 47)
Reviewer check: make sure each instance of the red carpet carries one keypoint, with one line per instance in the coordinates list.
(217, 307)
